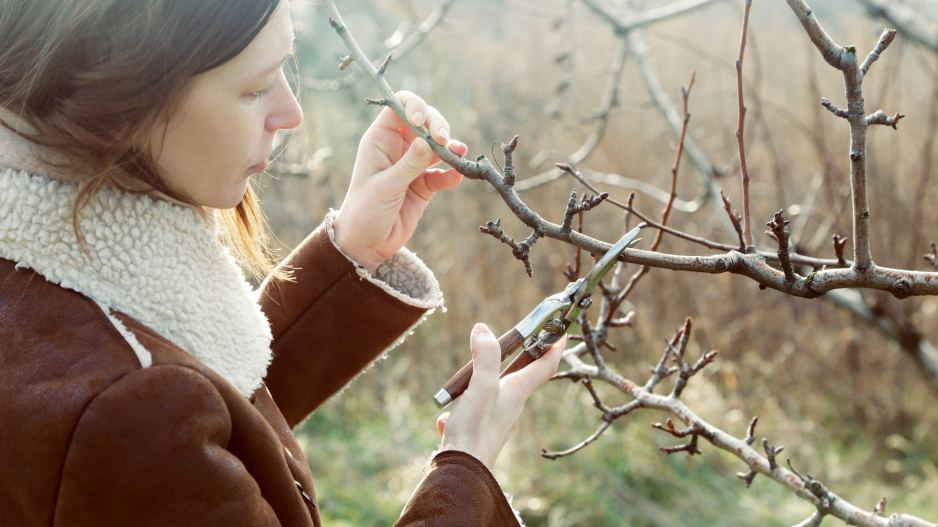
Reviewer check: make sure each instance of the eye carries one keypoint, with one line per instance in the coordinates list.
(262, 93)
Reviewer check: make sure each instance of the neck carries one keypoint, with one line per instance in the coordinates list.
(16, 151)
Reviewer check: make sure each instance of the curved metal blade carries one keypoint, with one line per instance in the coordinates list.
(608, 260)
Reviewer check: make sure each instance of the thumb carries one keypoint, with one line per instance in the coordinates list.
(486, 359)
(441, 422)
(415, 161)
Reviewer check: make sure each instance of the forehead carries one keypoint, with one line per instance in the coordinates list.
(275, 37)
(267, 50)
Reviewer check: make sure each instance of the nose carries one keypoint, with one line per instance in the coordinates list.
(285, 113)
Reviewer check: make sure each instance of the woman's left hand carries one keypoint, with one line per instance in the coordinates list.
(392, 182)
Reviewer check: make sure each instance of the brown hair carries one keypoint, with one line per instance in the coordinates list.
(93, 77)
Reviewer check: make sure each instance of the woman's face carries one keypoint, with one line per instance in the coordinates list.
(224, 130)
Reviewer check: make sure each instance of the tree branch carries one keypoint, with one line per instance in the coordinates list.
(845, 60)
(740, 127)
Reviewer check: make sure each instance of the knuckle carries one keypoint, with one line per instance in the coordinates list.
(486, 386)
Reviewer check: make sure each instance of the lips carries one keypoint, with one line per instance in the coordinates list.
(258, 168)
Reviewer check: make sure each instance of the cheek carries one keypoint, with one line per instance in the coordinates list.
(203, 154)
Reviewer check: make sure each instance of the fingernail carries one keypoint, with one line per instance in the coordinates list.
(445, 134)
(417, 119)
(480, 329)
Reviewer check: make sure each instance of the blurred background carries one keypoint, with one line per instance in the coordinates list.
(843, 393)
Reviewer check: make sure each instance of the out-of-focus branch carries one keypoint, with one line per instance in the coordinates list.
(907, 20)
(407, 44)
(632, 43)
(706, 171)
(625, 22)
(601, 116)
(923, 351)
(642, 187)
(666, 213)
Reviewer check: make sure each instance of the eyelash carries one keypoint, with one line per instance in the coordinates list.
(260, 94)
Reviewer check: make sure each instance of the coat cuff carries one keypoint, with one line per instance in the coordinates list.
(404, 276)
(458, 491)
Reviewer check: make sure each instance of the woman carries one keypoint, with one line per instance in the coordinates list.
(142, 382)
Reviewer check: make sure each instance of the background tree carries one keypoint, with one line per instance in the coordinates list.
(836, 392)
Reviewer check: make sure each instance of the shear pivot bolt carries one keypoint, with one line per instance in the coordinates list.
(554, 327)
(586, 303)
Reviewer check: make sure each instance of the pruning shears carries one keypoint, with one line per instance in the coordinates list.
(544, 326)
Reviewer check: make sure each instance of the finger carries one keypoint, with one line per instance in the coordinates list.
(433, 181)
(457, 148)
(413, 163)
(442, 180)
(522, 383)
(441, 423)
(415, 108)
(437, 125)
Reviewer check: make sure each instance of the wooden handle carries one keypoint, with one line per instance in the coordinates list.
(523, 359)
(459, 382)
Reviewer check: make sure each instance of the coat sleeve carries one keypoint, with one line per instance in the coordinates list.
(151, 450)
(457, 491)
(333, 319)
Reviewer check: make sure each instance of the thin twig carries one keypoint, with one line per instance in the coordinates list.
(740, 128)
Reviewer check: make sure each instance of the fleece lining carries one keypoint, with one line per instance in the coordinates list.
(163, 264)
(157, 262)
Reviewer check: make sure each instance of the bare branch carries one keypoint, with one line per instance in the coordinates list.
(805, 487)
(735, 218)
(751, 433)
(813, 521)
(839, 244)
(825, 102)
(884, 41)
(771, 452)
(740, 127)
(932, 257)
(880, 117)
(833, 54)
(779, 230)
(519, 250)
(845, 60)
(509, 150)
(576, 448)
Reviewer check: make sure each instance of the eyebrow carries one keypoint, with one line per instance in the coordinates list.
(290, 53)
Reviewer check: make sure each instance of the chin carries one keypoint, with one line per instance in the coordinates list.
(228, 200)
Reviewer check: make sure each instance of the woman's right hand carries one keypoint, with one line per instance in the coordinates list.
(486, 414)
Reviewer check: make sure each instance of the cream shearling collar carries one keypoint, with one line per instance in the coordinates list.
(160, 263)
